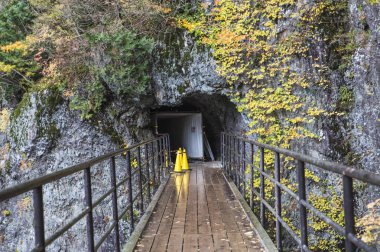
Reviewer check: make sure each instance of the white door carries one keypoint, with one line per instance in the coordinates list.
(185, 130)
(192, 136)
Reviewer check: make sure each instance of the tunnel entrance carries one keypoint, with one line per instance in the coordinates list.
(185, 130)
(198, 118)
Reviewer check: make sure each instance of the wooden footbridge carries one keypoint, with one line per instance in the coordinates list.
(208, 208)
(198, 211)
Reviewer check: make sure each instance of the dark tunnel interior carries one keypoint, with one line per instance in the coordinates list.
(218, 114)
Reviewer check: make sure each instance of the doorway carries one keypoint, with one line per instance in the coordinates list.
(185, 130)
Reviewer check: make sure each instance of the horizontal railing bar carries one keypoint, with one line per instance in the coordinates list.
(243, 159)
(360, 243)
(284, 224)
(63, 229)
(323, 217)
(122, 182)
(81, 215)
(362, 175)
(317, 212)
(98, 201)
(29, 185)
(133, 200)
(106, 234)
(320, 214)
(144, 163)
(136, 196)
(151, 158)
(38, 249)
(134, 172)
(145, 184)
(127, 207)
(324, 165)
(15, 190)
(124, 211)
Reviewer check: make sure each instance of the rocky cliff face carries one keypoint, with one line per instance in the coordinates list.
(181, 68)
(44, 138)
(353, 138)
(45, 135)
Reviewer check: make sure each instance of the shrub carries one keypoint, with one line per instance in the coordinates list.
(127, 72)
(17, 67)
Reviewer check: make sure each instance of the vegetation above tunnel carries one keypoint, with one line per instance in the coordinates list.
(261, 46)
(95, 50)
(89, 50)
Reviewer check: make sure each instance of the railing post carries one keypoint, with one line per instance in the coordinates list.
(233, 156)
(221, 151)
(235, 159)
(227, 152)
(129, 187)
(235, 162)
(165, 155)
(230, 147)
(224, 151)
(252, 176)
(277, 175)
(153, 167)
(169, 149)
(159, 160)
(115, 212)
(244, 167)
(147, 170)
(90, 218)
(302, 196)
(262, 188)
(38, 222)
(238, 166)
(163, 147)
(162, 144)
(349, 216)
(162, 157)
(141, 205)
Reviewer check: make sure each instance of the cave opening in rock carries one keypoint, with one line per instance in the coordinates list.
(198, 122)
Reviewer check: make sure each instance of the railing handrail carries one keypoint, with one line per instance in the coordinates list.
(26, 186)
(365, 176)
(235, 161)
(159, 149)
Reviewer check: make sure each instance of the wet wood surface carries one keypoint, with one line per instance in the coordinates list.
(198, 212)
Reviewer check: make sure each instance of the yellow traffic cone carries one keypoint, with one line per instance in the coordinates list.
(180, 156)
(166, 159)
(178, 161)
(185, 163)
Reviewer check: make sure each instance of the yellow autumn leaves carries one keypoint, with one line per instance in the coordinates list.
(4, 120)
(371, 223)
(6, 68)
(247, 49)
(21, 47)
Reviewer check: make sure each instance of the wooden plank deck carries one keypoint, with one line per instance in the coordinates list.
(198, 211)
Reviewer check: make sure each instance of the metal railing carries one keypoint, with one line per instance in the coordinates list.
(235, 161)
(156, 155)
